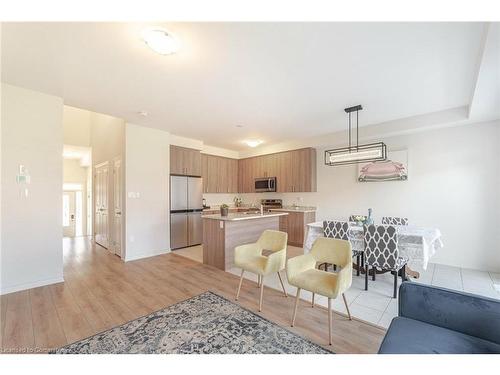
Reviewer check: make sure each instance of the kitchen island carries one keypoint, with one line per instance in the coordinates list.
(221, 234)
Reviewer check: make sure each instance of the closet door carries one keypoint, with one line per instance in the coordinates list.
(101, 206)
(117, 207)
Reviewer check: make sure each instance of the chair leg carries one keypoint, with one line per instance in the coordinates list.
(347, 306)
(239, 286)
(358, 264)
(374, 272)
(395, 284)
(312, 300)
(362, 260)
(282, 285)
(366, 277)
(295, 307)
(329, 321)
(258, 281)
(261, 292)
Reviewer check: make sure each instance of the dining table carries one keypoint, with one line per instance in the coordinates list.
(415, 243)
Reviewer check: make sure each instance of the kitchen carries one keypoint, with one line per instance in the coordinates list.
(196, 176)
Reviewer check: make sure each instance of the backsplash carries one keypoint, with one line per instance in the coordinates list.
(301, 199)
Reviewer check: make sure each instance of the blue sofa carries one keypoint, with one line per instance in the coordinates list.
(437, 320)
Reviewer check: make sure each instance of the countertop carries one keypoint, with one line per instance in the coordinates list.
(243, 216)
(294, 209)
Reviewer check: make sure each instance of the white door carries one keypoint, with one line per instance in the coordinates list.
(101, 204)
(69, 218)
(117, 198)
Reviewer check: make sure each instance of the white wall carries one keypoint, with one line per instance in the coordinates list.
(147, 174)
(453, 185)
(32, 135)
(107, 137)
(77, 126)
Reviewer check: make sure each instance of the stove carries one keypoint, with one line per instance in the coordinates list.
(271, 203)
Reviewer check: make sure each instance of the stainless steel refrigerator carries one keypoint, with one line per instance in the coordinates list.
(186, 225)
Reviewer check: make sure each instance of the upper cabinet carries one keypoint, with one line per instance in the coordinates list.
(295, 171)
(185, 161)
(220, 175)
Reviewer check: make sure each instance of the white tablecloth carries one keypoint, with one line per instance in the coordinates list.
(415, 243)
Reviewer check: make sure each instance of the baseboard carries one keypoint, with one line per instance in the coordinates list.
(35, 284)
(145, 255)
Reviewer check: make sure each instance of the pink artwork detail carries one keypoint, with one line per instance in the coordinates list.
(386, 170)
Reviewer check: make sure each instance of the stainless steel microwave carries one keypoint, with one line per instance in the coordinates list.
(265, 184)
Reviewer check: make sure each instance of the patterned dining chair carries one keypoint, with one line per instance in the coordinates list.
(340, 230)
(382, 251)
(392, 220)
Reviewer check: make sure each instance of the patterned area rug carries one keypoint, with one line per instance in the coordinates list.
(205, 324)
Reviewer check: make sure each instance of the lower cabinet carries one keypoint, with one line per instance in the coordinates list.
(295, 225)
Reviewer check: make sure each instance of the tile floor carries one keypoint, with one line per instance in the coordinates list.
(376, 305)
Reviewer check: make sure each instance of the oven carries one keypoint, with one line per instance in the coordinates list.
(265, 184)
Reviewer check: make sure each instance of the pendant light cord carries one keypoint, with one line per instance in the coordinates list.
(349, 131)
(357, 130)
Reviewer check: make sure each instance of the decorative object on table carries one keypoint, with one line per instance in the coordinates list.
(369, 219)
(355, 153)
(237, 201)
(358, 219)
(249, 258)
(340, 230)
(302, 273)
(393, 220)
(395, 168)
(205, 324)
(382, 252)
(224, 210)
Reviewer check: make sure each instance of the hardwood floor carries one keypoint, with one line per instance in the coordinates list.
(100, 291)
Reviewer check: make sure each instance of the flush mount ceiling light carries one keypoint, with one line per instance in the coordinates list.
(358, 153)
(253, 142)
(160, 41)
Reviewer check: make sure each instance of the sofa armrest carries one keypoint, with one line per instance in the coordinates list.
(458, 311)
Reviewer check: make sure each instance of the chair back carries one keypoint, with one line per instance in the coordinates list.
(392, 220)
(333, 251)
(273, 240)
(336, 229)
(381, 246)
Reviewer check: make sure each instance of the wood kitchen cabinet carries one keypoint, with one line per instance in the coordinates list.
(295, 225)
(185, 161)
(220, 175)
(246, 175)
(295, 171)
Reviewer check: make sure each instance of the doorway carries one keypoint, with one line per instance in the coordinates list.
(77, 191)
(73, 213)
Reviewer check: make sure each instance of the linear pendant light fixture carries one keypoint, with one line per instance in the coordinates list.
(358, 153)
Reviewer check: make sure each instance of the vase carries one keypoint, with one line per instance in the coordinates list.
(224, 211)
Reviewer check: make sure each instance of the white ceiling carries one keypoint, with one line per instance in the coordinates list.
(281, 81)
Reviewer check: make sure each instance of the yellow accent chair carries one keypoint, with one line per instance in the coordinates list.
(249, 257)
(303, 274)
